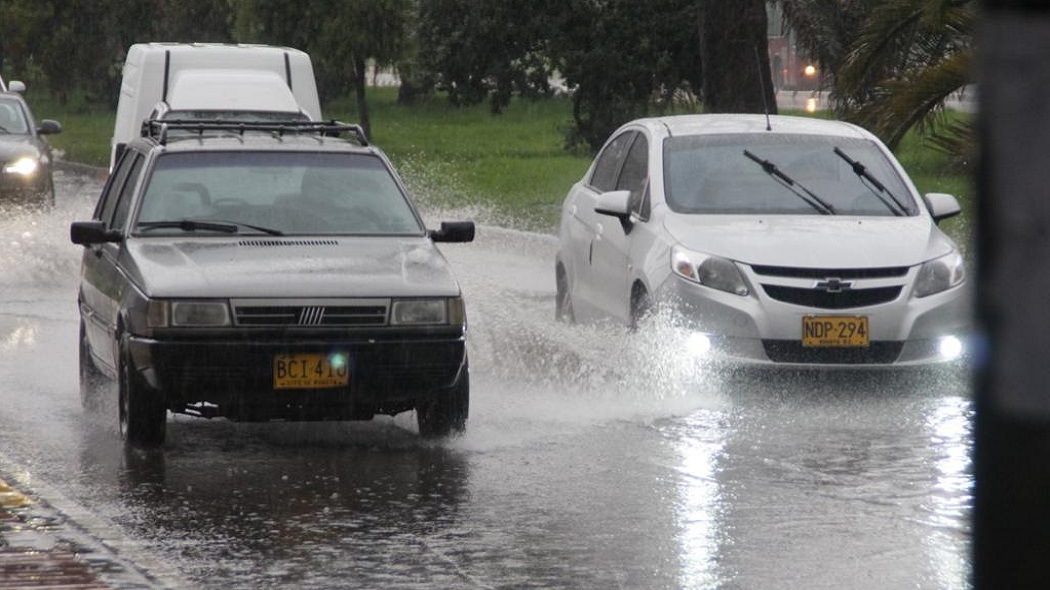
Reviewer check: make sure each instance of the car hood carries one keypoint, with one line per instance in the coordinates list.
(811, 241)
(289, 267)
(14, 146)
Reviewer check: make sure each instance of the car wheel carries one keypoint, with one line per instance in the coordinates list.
(91, 379)
(563, 299)
(641, 306)
(143, 417)
(446, 413)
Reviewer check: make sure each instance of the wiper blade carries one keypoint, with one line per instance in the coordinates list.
(230, 227)
(892, 203)
(189, 225)
(797, 189)
(266, 230)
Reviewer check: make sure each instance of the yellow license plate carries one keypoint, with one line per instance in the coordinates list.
(310, 371)
(835, 331)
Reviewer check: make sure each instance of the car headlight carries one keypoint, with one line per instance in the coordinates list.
(940, 274)
(711, 271)
(427, 312)
(187, 314)
(23, 166)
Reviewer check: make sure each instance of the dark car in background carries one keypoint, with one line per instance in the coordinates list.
(25, 155)
(261, 271)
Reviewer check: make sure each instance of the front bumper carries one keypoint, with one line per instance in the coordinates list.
(235, 378)
(33, 190)
(756, 330)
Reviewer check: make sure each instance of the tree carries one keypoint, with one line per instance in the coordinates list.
(623, 60)
(734, 50)
(894, 63)
(486, 49)
(341, 38)
(201, 21)
(619, 59)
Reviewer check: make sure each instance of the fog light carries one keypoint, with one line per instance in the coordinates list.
(698, 345)
(338, 361)
(950, 347)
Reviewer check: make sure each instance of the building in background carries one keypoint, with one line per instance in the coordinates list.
(792, 68)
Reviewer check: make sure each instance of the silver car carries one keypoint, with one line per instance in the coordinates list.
(778, 241)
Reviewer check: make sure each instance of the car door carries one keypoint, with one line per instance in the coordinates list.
(587, 226)
(611, 263)
(102, 282)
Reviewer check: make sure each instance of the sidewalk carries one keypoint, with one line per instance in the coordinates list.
(31, 555)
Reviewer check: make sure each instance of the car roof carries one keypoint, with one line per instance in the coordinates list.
(714, 124)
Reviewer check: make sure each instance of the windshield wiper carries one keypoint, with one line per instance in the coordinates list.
(882, 193)
(189, 225)
(266, 230)
(811, 199)
(229, 227)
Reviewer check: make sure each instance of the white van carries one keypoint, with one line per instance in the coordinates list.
(212, 80)
(13, 86)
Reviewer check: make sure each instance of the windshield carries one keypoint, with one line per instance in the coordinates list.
(275, 193)
(12, 119)
(712, 174)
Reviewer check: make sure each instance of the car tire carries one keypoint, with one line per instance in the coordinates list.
(92, 380)
(446, 413)
(642, 307)
(142, 414)
(563, 298)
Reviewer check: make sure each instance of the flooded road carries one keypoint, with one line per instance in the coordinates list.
(593, 458)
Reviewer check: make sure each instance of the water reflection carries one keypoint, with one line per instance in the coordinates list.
(307, 504)
(856, 481)
(950, 424)
(21, 335)
(700, 501)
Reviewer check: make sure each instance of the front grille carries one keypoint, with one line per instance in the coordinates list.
(792, 351)
(322, 315)
(823, 273)
(822, 299)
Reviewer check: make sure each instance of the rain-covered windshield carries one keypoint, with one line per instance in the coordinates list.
(712, 174)
(275, 192)
(12, 119)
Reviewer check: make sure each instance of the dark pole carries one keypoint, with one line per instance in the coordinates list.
(1012, 462)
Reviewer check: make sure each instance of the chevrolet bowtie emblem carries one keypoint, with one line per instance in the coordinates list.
(834, 285)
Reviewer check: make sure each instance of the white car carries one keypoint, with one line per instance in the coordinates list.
(777, 241)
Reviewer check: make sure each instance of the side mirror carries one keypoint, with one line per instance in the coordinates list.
(942, 205)
(453, 231)
(90, 233)
(16, 86)
(49, 127)
(614, 203)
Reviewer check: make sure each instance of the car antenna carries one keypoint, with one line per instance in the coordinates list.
(762, 84)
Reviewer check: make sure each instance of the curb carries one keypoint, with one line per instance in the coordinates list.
(96, 172)
(30, 557)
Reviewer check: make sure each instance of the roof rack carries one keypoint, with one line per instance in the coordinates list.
(159, 129)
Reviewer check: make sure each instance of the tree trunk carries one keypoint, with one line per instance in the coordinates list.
(734, 52)
(360, 84)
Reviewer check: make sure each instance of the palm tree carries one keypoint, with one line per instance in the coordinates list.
(896, 69)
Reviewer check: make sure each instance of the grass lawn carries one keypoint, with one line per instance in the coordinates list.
(510, 169)
(512, 166)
